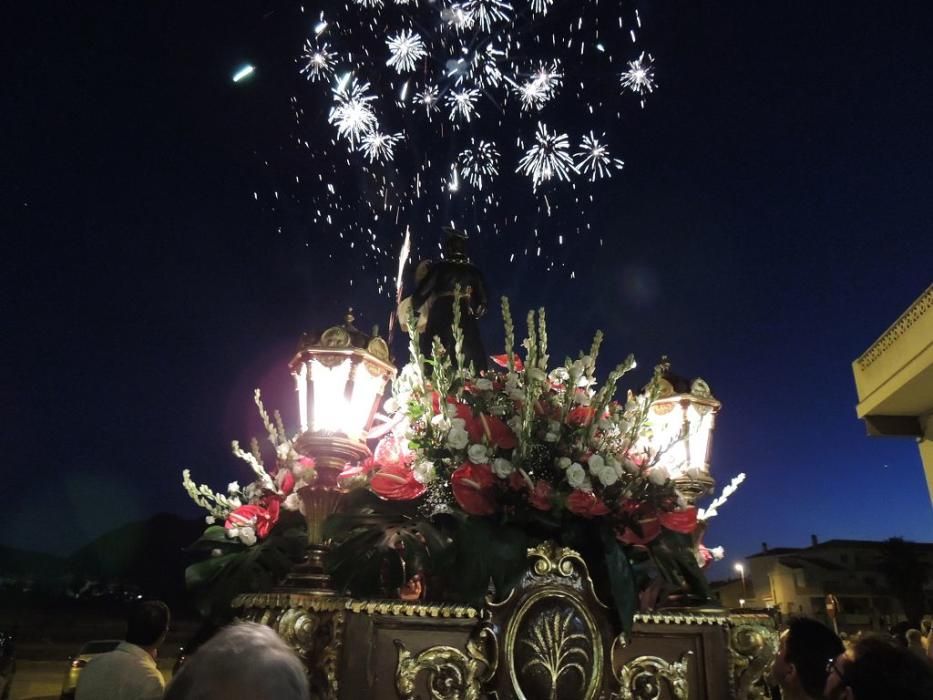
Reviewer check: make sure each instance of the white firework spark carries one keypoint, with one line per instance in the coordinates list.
(485, 66)
(639, 77)
(427, 98)
(406, 48)
(458, 17)
(352, 113)
(368, 3)
(541, 6)
(462, 103)
(488, 12)
(547, 158)
(319, 61)
(593, 158)
(541, 87)
(481, 161)
(378, 146)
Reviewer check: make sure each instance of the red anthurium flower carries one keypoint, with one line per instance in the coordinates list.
(474, 487)
(517, 481)
(285, 480)
(493, 429)
(586, 504)
(683, 521)
(704, 556)
(363, 468)
(540, 497)
(503, 361)
(391, 452)
(396, 483)
(648, 521)
(579, 416)
(260, 517)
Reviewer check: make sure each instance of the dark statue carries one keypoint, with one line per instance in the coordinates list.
(437, 292)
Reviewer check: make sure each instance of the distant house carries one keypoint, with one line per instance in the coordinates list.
(796, 581)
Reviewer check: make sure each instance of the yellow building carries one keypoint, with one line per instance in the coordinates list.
(796, 581)
(894, 380)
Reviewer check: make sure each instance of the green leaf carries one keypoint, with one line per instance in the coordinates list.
(621, 579)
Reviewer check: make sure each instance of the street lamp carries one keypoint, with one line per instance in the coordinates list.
(682, 420)
(340, 376)
(741, 569)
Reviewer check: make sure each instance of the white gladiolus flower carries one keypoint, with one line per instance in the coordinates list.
(477, 453)
(659, 475)
(424, 471)
(502, 467)
(559, 375)
(247, 536)
(718, 553)
(457, 438)
(588, 361)
(581, 397)
(283, 451)
(233, 487)
(576, 475)
(483, 384)
(535, 374)
(210, 519)
(563, 462)
(292, 502)
(596, 464)
(515, 424)
(235, 502)
(607, 475)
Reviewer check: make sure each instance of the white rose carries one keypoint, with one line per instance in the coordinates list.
(575, 475)
(515, 394)
(247, 536)
(615, 464)
(515, 424)
(596, 464)
(450, 410)
(477, 454)
(551, 437)
(502, 467)
(292, 502)
(587, 484)
(659, 476)
(483, 384)
(440, 421)
(563, 462)
(458, 423)
(607, 475)
(232, 532)
(424, 472)
(457, 438)
(233, 487)
(553, 426)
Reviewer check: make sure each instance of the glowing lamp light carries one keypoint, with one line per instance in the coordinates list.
(340, 376)
(682, 420)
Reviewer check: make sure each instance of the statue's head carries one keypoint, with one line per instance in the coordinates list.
(455, 245)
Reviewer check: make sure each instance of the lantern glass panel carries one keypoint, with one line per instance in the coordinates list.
(330, 412)
(367, 388)
(701, 428)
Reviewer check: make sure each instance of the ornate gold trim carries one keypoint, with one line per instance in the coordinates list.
(367, 607)
(752, 646)
(452, 674)
(682, 617)
(639, 678)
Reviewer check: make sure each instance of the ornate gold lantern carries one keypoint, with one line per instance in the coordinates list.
(682, 421)
(340, 376)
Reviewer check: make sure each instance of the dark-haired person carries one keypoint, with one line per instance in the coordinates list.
(129, 672)
(877, 670)
(800, 665)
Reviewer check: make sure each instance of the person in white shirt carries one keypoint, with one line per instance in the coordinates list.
(244, 661)
(129, 672)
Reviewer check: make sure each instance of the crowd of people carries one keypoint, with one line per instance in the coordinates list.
(247, 661)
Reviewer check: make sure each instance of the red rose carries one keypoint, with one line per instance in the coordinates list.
(683, 521)
(540, 497)
(580, 416)
(474, 487)
(396, 483)
(586, 504)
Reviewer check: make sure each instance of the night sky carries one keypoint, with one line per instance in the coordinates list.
(773, 218)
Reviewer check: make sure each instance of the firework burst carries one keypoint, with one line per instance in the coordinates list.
(479, 162)
(541, 7)
(593, 159)
(405, 48)
(377, 146)
(639, 78)
(535, 92)
(319, 61)
(548, 158)
(462, 104)
(427, 98)
(486, 13)
(352, 114)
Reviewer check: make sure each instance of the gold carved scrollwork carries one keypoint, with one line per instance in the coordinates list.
(752, 646)
(451, 673)
(641, 678)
